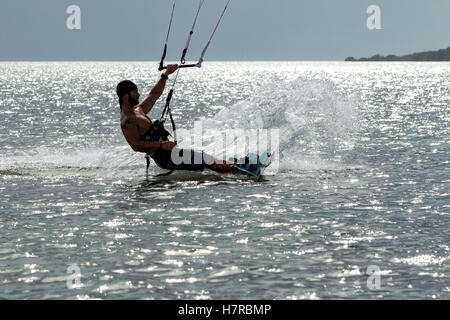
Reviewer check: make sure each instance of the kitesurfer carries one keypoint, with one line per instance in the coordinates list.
(149, 137)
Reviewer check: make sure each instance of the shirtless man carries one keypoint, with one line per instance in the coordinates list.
(135, 127)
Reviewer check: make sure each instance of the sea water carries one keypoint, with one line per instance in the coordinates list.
(357, 206)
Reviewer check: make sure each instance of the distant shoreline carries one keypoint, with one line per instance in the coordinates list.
(439, 55)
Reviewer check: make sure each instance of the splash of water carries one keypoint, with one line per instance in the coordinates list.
(317, 124)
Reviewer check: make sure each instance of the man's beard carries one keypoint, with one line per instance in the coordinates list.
(133, 101)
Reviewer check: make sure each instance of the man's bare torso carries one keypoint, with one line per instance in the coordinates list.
(139, 119)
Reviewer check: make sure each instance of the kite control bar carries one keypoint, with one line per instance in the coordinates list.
(180, 66)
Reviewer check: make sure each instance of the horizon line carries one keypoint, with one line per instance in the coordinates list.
(212, 61)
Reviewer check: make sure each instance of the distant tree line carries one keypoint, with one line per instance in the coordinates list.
(440, 55)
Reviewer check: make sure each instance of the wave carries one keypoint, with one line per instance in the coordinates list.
(94, 161)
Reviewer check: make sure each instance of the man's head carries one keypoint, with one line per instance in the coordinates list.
(127, 91)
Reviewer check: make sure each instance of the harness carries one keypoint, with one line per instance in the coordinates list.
(156, 133)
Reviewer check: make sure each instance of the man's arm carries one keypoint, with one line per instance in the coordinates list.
(157, 90)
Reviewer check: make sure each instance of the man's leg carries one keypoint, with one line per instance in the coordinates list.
(189, 159)
(223, 168)
(217, 165)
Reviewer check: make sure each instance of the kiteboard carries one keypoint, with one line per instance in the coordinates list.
(253, 166)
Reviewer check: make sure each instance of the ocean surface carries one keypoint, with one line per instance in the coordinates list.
(356, 204)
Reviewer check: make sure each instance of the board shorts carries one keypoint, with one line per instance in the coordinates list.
(195, 161)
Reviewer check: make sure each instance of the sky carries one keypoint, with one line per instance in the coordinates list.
(262, 30)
